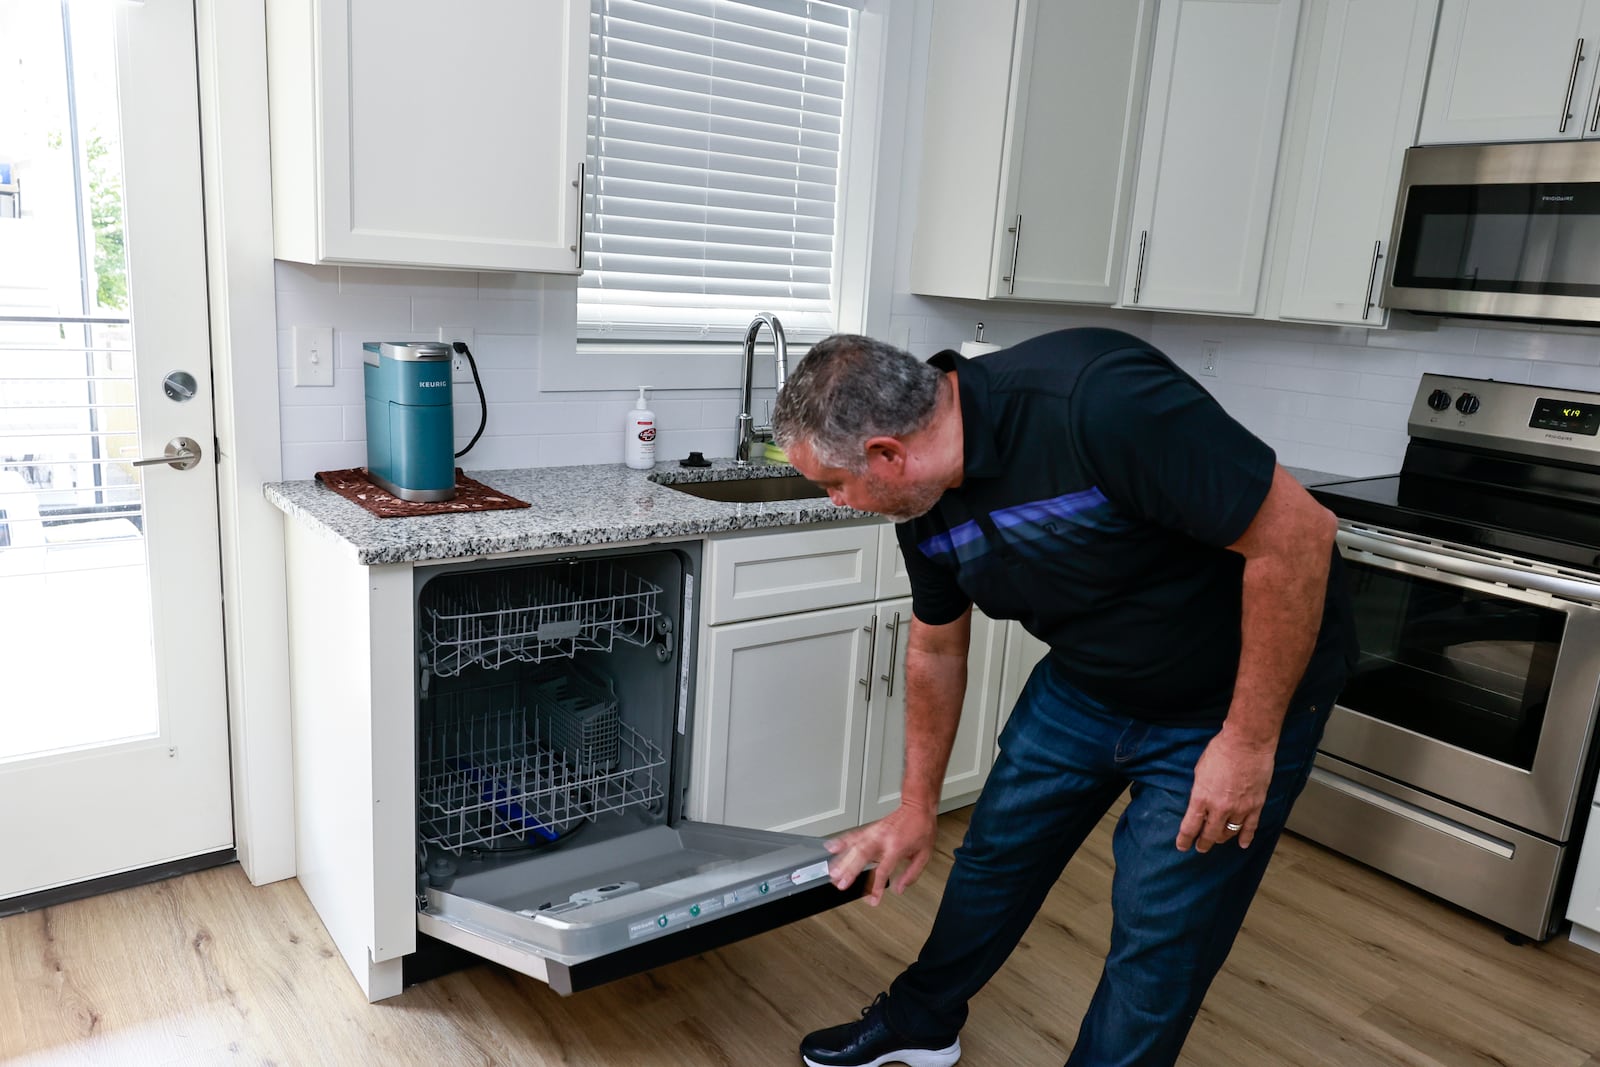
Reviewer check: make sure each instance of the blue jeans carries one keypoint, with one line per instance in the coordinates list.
(1064, 759)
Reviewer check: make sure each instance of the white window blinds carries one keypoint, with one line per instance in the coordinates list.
(715, 129)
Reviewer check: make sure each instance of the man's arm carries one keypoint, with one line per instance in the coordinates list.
(1286, 548)
(936, 682)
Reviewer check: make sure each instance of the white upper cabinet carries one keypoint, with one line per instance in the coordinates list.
(1507, 70)
(1358, 89)
(1026, 180)
(407, 134)
(1219, 86)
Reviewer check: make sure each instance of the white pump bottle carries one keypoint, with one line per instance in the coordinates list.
(639, 435)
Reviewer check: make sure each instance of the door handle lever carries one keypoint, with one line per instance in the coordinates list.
(181, 453)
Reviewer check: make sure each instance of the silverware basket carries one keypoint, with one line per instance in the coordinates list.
(532, 615)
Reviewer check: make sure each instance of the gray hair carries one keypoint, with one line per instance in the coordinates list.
(850, 388)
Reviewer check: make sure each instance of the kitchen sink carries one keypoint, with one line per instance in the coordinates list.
(750, 490)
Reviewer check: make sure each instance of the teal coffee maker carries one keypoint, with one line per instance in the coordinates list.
(410, 421)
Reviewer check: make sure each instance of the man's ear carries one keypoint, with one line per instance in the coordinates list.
(885, 454)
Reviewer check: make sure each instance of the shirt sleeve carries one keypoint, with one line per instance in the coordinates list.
(936, 598)
(1162, 447)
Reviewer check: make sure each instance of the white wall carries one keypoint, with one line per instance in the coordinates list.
(519, 321)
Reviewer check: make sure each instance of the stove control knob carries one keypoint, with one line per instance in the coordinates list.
(1466, 403)
(1438, 400)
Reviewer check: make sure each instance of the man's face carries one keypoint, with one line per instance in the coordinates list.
(884, 488)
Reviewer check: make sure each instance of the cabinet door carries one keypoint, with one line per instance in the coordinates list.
(973, 750)
(1032, 109)
(1360, 89)
(1067, 165)
(404, 137)
(1219, 86)
(783, 721)
(1023, 653)
(1505, 72)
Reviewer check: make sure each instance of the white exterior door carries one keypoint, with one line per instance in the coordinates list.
(113, 722)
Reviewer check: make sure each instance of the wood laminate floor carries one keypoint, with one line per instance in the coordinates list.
(1336, 965)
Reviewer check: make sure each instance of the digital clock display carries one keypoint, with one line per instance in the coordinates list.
(1565, 416)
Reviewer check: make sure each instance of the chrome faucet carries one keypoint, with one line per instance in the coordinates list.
(746, 429)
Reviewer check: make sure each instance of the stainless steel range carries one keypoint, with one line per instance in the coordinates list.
(1461, 757)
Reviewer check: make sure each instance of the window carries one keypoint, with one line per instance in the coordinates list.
(715, 137)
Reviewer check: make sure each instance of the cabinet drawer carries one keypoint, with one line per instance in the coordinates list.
(753, 576)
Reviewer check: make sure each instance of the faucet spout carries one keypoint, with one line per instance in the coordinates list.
(746, 430)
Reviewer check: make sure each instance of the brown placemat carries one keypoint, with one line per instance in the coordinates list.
(471, 495)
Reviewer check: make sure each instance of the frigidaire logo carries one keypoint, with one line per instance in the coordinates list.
(1558, 199)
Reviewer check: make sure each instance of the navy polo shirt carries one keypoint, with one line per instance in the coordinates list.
(1102, 485)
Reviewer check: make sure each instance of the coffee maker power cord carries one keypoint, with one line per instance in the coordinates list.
(483, 402)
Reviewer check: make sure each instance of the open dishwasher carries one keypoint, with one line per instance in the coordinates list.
(554, 725)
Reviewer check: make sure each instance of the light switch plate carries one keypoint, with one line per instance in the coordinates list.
(1209, 352)
(313, 355)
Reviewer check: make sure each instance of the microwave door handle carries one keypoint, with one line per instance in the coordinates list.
(1448, 565)
(1572, 84)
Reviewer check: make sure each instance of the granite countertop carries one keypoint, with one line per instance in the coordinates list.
(570, 506)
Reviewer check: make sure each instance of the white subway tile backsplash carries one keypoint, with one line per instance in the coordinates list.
(1552, 347)
(307, 423)
(1424, 335)
(1387, 389)
(485, 316)
(1566, 376)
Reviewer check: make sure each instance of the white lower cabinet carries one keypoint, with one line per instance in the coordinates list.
(783, 721)
(1023, 651)
(973, 752)
(800, 718)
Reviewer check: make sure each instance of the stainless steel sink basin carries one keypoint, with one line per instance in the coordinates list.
(750, 490)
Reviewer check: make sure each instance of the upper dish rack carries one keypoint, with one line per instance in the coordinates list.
(532, 615)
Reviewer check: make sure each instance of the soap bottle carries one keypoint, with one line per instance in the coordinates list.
(639, 435)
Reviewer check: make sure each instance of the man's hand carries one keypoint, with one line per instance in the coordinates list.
(1230, 787)
(905, 836)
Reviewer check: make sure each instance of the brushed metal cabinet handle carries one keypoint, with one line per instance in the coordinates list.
(868, 629)
(1572, 83)
(1016, 247)
(894, 652)
(580, 183)
(1138, 274)
(1372, 279)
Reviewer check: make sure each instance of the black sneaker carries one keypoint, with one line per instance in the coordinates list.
(873, 1043)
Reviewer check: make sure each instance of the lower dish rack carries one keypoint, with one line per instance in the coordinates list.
(490, 779)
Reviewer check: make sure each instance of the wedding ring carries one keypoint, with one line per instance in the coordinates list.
(1235, 826)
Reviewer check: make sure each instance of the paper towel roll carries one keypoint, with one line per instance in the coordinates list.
(977, 348)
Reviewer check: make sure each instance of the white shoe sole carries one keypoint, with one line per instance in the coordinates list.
(911, 1057)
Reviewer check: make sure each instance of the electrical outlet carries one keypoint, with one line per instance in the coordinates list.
(1209, 352)
(460, 369)
(313, 355)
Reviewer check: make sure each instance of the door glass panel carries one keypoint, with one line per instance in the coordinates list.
(76, 660)
(1465, 667)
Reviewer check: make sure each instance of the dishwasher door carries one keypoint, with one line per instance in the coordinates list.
(580, 918)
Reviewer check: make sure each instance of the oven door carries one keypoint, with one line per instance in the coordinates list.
(1477, 680)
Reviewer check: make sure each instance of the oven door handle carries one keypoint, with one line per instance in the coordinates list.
(1454, 563)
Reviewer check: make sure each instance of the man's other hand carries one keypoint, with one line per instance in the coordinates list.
(900, 843)
(1230, 788)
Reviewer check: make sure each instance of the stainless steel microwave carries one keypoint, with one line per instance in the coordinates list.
(1500, 231)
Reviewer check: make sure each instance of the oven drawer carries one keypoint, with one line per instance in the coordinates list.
(1495, 870)
(579, 918)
